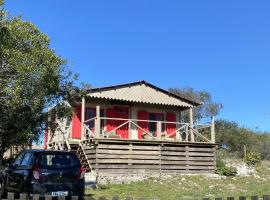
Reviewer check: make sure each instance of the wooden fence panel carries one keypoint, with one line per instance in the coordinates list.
(11, 196)
(266, 197)
(254, 198)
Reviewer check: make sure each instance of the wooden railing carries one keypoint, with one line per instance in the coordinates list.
(62, 138)
(178, 131)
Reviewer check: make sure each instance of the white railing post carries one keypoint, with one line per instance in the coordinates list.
(159, 130)
(191, 125)
(213, 136)
(97, 122)
(82, 118)
(187, 131)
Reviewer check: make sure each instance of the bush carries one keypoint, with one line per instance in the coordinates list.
(253, 159)
(223, 170)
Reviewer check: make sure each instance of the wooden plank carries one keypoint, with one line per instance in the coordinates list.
(123, 152)
(23, 196)
(187, 163)
(126, 166)
(266, 197)
(254, 198)
(74, 198)
(127, 161)
(126, 146)
(173, 153)
(191, 158)
(10, 196)
(173, 167)
(174, 162)
(110, 156)
(61, 198)
(35, 197)
(48, 197)
(91, 151)
(174, 148)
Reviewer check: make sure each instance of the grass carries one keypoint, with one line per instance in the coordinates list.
(191, 187)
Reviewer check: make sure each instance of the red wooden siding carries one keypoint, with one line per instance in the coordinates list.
(45, 138)
(117, 112)
(170, 117)
(142, 115)
(76, 123)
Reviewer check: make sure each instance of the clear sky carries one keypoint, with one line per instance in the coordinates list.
(219, 46)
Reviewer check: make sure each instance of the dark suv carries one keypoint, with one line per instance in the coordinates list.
(56, 173)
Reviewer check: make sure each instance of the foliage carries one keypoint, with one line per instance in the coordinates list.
(32, 78)
(208, 109)
(223, 170)
(253, 159)
(233, 138)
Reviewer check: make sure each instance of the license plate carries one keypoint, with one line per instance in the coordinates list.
(60, 193)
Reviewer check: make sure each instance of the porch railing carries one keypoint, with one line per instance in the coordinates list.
(163, 130)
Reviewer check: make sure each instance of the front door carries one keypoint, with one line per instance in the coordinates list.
(153, 125)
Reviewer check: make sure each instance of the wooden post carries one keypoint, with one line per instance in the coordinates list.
(97, 122)
(129, 124)
(213, 137)
(191, 124)
(159, 130)
(10, 196)
(187, 134)
(178, 136)
(82, 118)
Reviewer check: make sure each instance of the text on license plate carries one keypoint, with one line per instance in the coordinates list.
(60, 193)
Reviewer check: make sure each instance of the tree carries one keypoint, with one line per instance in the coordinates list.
(32, 78)
(208, 109)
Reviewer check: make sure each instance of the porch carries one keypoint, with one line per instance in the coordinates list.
(137, 128)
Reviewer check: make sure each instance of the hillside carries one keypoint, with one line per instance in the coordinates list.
(190, 187)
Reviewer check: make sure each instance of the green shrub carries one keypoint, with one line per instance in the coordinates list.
(223, 170)
(253, 159)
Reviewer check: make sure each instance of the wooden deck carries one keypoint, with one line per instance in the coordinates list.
(117, 156)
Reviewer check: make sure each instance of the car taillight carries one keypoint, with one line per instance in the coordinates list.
(37, 173)
(81, 173)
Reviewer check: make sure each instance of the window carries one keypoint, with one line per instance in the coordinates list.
(90, 114)
(58, 161)
(26, 159)
(18, 160)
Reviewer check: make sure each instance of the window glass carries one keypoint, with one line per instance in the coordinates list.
(26, 159)
(58, 161)
(18, 160)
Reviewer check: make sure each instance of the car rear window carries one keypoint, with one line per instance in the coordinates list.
(58, 160)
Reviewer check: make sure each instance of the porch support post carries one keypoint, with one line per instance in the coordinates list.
(129, 123)
(159, 130)
(213, 136)
(178, 136)
(48, 138)
(191, 124)
(97, 122)
(82, 118)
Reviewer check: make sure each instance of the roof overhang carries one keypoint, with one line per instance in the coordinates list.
(140, 93)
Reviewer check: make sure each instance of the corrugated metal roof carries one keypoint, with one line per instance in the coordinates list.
(140, 92)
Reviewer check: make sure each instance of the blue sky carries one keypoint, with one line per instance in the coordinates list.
(219, 46)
